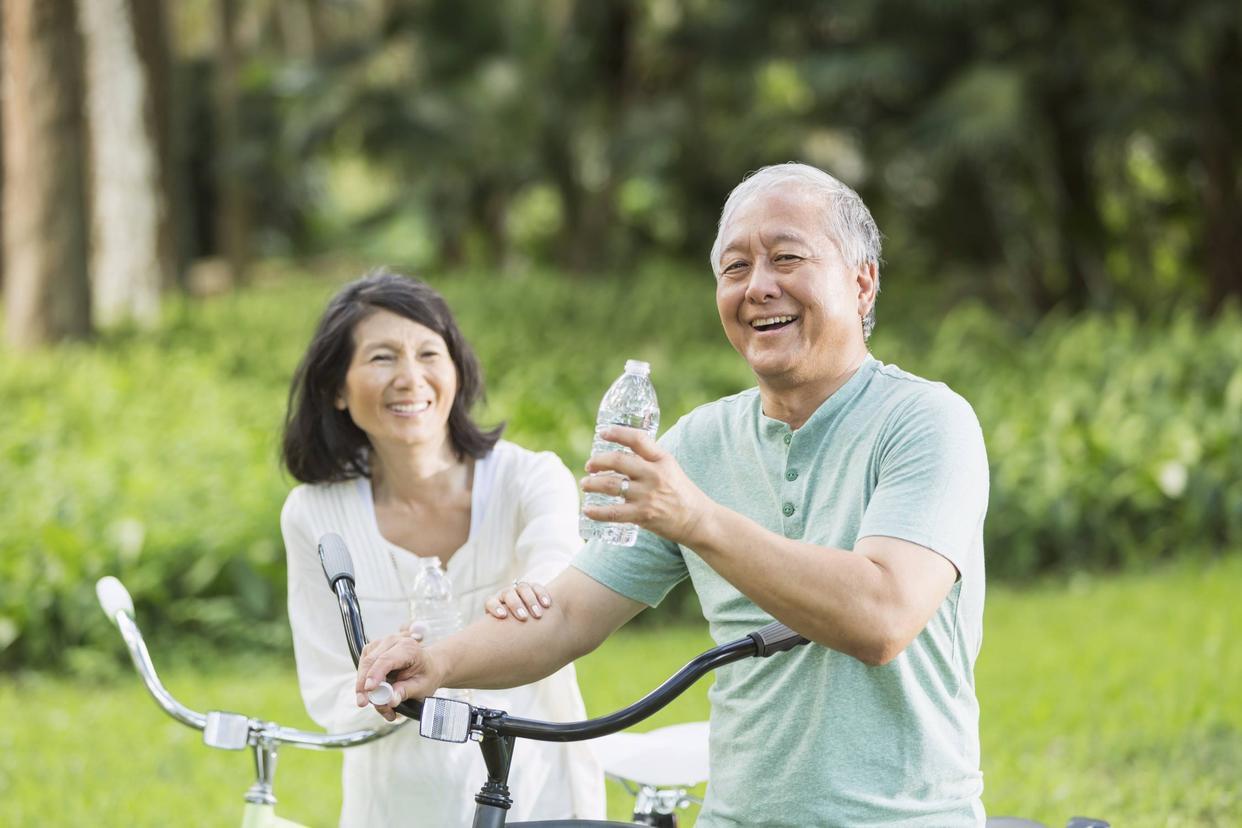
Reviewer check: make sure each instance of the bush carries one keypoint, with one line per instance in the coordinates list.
(1111, 441)
(154, 457)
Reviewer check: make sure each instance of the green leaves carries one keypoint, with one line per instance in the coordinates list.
(154, 457)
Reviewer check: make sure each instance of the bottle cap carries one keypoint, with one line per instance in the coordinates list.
(382, 694)
(637, 366)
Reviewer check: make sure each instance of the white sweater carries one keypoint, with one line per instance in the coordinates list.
(523, 525)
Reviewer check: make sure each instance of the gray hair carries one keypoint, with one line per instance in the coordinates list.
(847, 219)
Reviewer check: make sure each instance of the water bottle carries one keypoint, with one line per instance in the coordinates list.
(435, 612)
(630, 401)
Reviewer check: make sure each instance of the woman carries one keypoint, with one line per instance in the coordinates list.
(379, 433)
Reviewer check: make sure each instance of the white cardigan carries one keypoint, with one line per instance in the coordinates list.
(523, 525)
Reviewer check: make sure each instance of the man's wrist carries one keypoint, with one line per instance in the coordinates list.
(440, 659)
(701, 535)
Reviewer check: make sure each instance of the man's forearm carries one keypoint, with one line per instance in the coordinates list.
(494, 653)
(852, 601)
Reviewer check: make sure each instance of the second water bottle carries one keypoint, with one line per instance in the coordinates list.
(435, 612)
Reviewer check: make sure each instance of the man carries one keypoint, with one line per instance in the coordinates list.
(841, 496)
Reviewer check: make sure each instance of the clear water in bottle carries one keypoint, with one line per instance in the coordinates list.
(435, 611)
(630, 401)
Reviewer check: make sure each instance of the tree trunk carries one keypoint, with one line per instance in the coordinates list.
(47, 296)
(1081, 235)
(233, 218)
(132, 255)
(1219, 128)
(155, 55)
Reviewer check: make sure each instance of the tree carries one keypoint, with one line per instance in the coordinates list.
(132, 255)
(47, 296)
(233, 212)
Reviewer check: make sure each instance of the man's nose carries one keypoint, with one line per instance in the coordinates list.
(763, 284)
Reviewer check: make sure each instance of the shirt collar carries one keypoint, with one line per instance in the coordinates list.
(828, 410)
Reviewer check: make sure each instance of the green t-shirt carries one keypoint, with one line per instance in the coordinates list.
(813, 736)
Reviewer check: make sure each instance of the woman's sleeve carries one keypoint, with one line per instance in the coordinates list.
(325, 670)
(547, 527)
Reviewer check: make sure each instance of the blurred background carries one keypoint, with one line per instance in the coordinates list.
(186, 183)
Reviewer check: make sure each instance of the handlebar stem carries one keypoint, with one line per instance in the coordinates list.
(260, 793)
(493, 799)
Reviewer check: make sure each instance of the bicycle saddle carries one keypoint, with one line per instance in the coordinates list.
(667, 757)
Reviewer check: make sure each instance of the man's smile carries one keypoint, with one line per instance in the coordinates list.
(772, 323)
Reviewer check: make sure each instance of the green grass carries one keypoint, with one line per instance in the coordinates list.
(1116, 697)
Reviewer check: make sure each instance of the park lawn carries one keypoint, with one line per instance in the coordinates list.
(1112, 696)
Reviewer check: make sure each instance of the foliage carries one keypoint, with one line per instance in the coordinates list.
(154, 457)
(1107, 697)
(1051, 155)
(1111, 442)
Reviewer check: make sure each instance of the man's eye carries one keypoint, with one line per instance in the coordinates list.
(788, 257)
(734, 267)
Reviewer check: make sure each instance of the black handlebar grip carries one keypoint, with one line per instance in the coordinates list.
(775, 638)
(334, 556)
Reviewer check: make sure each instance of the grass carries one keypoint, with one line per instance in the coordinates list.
(1110, 696)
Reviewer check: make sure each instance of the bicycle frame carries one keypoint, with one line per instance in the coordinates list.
(224, 730)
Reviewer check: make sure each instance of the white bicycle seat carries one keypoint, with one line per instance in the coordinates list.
(667, 757)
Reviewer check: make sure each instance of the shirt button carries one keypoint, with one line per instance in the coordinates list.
(792, 474)
(788, 439)
(788, 509)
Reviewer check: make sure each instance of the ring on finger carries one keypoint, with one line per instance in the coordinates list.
(625, 486)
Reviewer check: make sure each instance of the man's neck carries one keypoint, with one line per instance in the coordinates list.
(794, 402)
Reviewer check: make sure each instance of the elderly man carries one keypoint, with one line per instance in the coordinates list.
(842, 496)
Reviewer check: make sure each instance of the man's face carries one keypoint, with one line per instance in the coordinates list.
(789, 303)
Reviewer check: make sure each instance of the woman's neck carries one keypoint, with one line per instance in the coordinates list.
(417, 474)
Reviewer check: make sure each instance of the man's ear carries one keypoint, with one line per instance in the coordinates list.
(868, 279)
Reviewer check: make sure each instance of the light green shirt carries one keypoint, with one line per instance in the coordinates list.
(813, 736)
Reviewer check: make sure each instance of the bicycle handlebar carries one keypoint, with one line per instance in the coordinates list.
(117, 605)
(338, 569)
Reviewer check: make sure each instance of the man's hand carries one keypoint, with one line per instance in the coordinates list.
(660, 497)
(404, 663)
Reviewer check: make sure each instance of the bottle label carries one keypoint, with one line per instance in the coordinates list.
(641, 421)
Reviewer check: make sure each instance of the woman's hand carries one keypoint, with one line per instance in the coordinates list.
(404, 663)
(659, 496)
(522, 601)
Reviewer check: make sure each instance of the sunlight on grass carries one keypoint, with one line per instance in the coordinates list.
(1114, 697)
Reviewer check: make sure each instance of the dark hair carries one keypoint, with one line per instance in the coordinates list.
(321, 443)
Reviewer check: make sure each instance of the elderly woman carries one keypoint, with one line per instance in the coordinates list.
(380, 435)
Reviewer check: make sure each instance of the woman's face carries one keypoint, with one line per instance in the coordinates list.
(401, 382)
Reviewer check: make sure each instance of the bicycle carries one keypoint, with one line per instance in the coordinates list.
(658, 768)
(452, 720)
(221, 729)
(628, 759)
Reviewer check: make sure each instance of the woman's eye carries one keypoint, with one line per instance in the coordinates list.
(429, 355)
(381, 357)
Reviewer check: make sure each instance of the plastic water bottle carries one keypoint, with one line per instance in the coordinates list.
(435, 612)
(630, 401)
